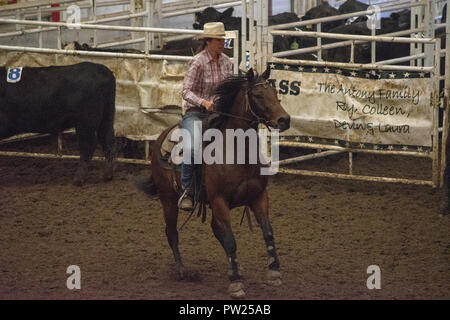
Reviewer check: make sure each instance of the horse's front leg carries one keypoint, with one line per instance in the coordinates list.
(260, 206)
(221, 226)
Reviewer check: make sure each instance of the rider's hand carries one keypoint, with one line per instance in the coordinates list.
(209, 105)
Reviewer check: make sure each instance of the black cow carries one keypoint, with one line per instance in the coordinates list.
(85, 47)
(211, 14)
(230, 23)
(342, 54)
(284, 17)
(54, 99)
(350, 6)
(399, 21)
(384, 50)
(321, 11)
(281, 43)
(396, 22)
(184, 47)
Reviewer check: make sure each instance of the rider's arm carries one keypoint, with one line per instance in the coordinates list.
(193, 75)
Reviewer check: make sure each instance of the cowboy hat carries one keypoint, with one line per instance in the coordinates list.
(214, 30)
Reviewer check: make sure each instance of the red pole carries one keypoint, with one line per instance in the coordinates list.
(55, 14)
(270, 8)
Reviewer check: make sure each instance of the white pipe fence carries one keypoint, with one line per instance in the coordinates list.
(432, 53)
(152, 13)
(345, 16)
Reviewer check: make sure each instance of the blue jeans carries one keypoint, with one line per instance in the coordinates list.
(191, 121)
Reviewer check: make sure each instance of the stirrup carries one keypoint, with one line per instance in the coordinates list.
(185, 196)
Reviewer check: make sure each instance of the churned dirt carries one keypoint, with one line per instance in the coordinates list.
(327, 232)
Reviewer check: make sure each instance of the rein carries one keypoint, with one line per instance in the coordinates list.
(248, 107)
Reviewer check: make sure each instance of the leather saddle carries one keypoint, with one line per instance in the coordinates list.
(166, 149)
(211, 121)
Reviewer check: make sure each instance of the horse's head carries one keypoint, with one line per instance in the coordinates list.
(263, 102)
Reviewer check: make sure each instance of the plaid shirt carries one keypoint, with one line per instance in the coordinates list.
(202, 77)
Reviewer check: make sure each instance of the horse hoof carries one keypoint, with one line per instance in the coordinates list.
(181, 273)
(236, 290)
(274, 278)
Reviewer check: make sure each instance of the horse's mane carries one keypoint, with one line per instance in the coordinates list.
(227, 90)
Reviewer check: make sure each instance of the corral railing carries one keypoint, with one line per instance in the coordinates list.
(146, 39)
(88, 14)
(260, 43)
(422, 53)
(318, 22)
(134, 72)
(148, 13)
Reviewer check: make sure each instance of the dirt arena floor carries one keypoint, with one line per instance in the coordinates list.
(327, 232)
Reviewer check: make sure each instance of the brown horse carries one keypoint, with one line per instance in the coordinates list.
(243, 102)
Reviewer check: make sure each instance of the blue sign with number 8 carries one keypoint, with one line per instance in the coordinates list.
(14, 75)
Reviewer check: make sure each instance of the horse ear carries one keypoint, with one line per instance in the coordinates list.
(250, 75)
(266, 74)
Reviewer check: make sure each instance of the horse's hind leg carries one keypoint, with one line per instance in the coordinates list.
(87, 141)
(221, 225)
(170, 210)
(260, 206)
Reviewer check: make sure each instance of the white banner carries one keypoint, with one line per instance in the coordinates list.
(358, 109)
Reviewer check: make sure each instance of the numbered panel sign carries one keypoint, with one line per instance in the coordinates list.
(228, 43)
(14, 74)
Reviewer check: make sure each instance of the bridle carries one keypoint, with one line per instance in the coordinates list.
(248, 107)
